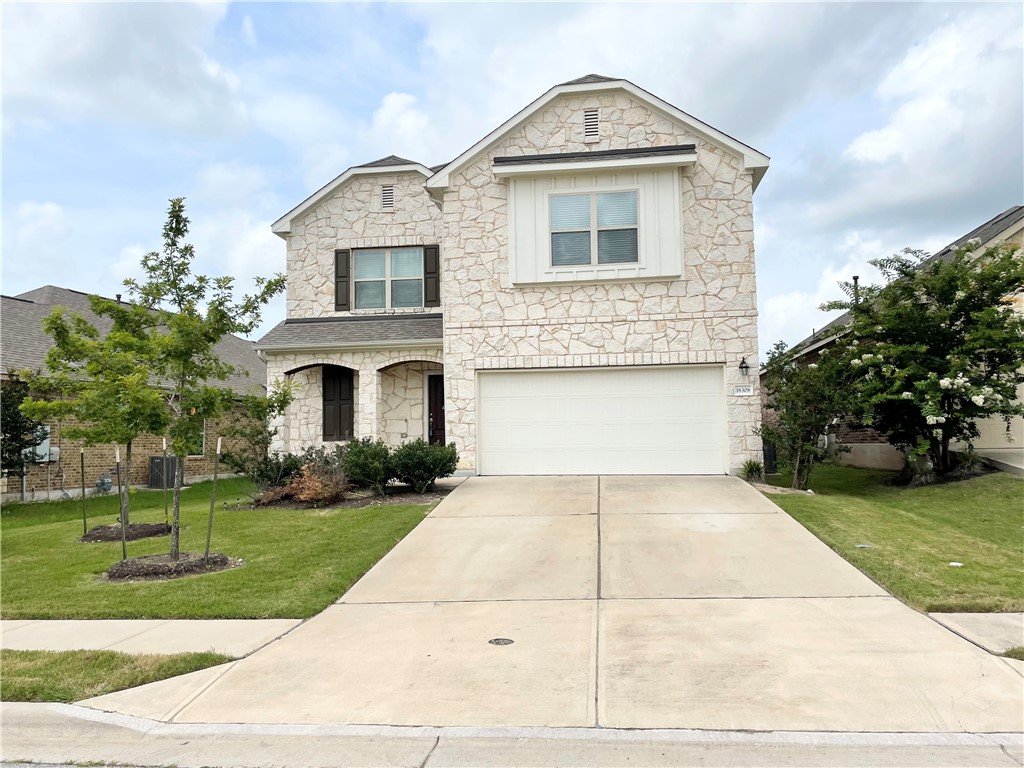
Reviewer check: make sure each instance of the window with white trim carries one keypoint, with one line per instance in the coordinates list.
(385, 278)
(594, 228)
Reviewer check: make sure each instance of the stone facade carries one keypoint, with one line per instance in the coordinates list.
(353, 218)
(383, 378)
(707, 316)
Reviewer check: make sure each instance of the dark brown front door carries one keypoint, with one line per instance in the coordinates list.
(435, 410)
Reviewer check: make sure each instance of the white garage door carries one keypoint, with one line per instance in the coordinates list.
(648, 420)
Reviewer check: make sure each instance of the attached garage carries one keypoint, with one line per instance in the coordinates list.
(655, 420)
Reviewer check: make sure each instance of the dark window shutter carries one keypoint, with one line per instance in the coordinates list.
(341, 280)
(431, 276)
(338, 403)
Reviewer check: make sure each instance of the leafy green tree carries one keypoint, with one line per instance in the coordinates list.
(194, 312)
(251, 433)
(20, 433)
(100, 384)
(937, 347)
(803, 400)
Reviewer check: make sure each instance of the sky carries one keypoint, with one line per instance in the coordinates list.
(889, 125)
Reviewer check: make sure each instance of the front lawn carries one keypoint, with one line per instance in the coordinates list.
(297, 562)
(75, 675)
(915, 533)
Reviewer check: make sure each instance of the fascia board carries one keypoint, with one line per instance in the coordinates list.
(283, 226)
(356, 345)
(538, 169)
(754, 161)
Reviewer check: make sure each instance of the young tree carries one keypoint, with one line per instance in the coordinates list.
(251, 432)
(938, 347)
(101, 383)
(194, 312)
(20, 433)
(804, 398)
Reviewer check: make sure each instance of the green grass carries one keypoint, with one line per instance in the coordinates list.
(297, 562)
(1015, 653)
(75, 675)
(916, 532)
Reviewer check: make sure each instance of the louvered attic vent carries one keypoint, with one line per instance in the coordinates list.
(591, 125)
(387, 197)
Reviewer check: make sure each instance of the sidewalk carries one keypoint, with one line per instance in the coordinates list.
(59, 733)
(231, 637)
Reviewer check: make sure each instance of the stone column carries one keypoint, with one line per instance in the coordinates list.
(367, 402)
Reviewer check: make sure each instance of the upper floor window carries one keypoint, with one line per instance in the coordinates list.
(388, 278)
(594, 228)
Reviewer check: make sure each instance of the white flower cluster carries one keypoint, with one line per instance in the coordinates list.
(959, 382)
(813, 366)
(978, 399)
(974, 242)
(935, 419)
(907, 395)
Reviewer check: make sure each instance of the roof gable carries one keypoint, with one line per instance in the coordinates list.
(386, 165)
(754, 160)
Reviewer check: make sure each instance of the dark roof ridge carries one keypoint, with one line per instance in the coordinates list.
(591, 78)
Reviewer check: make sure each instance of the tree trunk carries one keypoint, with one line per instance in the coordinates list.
(125, 501)
(179, 480)
(796, 468)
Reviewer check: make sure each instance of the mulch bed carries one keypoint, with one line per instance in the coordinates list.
(161, 567)
(133, 532)
(365, 499)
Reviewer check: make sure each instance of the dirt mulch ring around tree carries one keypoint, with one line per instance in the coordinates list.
(133, 532)
(161, 567)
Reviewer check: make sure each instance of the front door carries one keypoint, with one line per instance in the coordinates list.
(435, 410)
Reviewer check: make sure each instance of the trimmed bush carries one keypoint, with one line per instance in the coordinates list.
(419, 464)
(368, 464)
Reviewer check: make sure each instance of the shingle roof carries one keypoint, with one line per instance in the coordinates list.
(986, 232)
(24, 343)
(591, 79)
(386, 161)
(362, 330)
(569, 157)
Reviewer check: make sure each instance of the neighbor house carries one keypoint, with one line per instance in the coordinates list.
(870, 449)
(24, 346)
(575, 293)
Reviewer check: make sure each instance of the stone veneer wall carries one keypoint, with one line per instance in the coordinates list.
(352, 218)
(302, 424)
(708, 316)
(402, 393)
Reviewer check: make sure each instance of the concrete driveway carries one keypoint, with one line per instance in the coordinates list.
(631, 602)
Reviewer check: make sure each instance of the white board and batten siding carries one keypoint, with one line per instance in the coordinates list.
(630, 420)
(659, 226)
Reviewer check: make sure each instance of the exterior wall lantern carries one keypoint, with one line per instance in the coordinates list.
(744, 368)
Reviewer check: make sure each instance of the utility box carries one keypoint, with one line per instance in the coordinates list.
(161, 471)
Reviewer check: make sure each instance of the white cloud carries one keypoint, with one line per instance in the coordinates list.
(249, 32)
(134, 62)
(408, 128)
(38, 234)
(222, 185)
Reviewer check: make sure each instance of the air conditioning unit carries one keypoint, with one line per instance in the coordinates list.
(161, 471)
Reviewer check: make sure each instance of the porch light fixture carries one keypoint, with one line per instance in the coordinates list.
(744, 368)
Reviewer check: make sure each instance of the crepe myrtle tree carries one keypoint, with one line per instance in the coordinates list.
(803, 398)
(937, 347)
(100, 382)
(193, 312)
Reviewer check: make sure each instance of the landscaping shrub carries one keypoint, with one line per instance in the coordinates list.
(319, 478)
(753, 470)
(368, 464)
(419, 464)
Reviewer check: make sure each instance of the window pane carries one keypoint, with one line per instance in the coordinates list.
(616, 208)
(616, 246)
(370, 295)
(407, 262)
(406, 293)
(369, 264)
(570, 248)
(570, 211)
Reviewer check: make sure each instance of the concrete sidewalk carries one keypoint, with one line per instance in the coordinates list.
(57, 733)
(231, 637)
(656, 602)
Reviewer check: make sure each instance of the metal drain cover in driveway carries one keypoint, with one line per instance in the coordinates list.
(501, 641)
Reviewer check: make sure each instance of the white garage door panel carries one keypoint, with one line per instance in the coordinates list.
(654, 420)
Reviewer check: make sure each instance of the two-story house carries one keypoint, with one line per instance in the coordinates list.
(573, 294)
